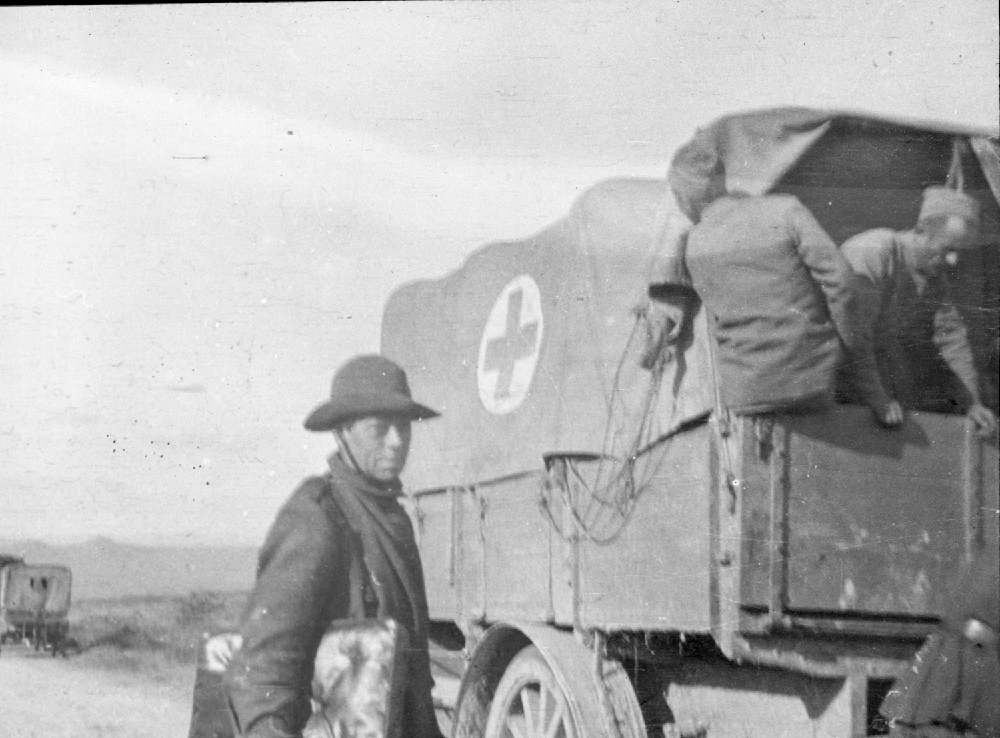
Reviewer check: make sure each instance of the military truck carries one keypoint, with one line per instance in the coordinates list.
(611, 550)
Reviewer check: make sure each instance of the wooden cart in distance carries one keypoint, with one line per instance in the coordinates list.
(34, 605)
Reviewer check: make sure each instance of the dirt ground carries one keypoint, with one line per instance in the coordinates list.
(46, 697)
(74, 697)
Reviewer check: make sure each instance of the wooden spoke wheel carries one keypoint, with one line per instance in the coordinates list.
(529, 703)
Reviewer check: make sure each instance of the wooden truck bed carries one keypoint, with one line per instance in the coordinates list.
(822, 522)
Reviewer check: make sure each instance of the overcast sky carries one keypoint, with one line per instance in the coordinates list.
(205, 207)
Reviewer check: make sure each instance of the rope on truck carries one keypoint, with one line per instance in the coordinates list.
(600, 491)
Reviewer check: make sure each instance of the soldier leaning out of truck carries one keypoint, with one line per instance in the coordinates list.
(919, 337)
(780, 300)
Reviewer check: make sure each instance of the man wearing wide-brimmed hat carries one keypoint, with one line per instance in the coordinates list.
(921, 343)
(341, 549)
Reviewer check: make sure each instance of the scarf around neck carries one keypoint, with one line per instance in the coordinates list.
(390, 551)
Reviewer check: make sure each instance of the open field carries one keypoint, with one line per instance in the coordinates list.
(139, 632)
(130, 676)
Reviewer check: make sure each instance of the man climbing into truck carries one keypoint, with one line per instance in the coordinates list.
(782, 307)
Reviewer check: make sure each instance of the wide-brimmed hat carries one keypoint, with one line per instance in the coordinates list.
(367, 385)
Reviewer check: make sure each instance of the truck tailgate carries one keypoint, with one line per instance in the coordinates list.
(842, 516)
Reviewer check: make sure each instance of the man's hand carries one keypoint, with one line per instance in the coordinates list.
(663, 326)
(220, 649)
(889, 415)
(984, 420)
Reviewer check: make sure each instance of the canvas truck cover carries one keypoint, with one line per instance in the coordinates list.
(854, 172)
(33, 591)
(531, 347)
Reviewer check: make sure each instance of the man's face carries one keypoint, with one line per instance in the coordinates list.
(379, 445)
(927, 258)
(943, 245)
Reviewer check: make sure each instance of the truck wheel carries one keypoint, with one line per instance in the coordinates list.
(529, 702)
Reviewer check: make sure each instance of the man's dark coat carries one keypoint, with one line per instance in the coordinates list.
(304, 582)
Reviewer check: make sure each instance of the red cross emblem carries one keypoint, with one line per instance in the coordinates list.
(508, 351)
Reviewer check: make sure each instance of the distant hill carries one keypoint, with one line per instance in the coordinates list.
(105, 568)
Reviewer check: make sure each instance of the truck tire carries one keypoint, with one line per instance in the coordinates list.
(529, 703)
